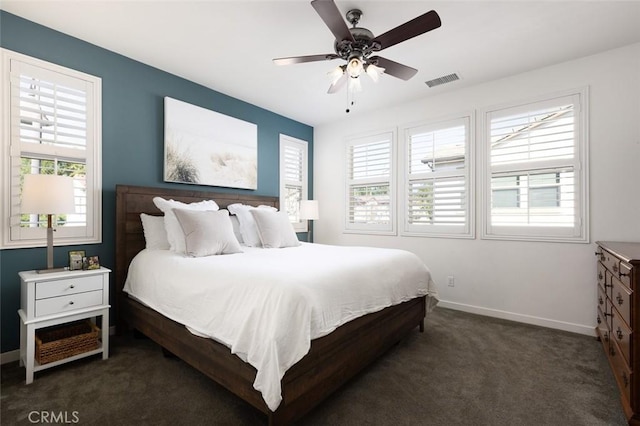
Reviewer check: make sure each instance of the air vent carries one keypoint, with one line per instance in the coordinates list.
(442, 80)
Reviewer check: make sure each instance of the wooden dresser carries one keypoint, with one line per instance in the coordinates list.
(618, 317)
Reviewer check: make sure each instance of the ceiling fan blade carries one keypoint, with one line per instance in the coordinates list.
(338, 84)
(332, 18)
(394, 68)
(420, 25)
(303, 59)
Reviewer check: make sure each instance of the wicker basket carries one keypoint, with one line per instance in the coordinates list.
(59, 342)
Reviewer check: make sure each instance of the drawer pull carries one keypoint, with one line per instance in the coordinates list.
(72, 286)
(599, 320)
(600, 276)
(600, 301)
(612, 351)
(619, 333)
(622, 274)
(608, 285)
(620, 299)
(71, 302)
(615, 267)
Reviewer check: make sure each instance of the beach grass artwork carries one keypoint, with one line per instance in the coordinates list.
(203, 147)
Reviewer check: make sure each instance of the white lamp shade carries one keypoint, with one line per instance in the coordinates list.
(309, 210)
(47, 194)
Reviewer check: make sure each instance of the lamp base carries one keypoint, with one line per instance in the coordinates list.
(47, 270)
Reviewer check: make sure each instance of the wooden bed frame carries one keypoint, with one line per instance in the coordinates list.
(331, 361)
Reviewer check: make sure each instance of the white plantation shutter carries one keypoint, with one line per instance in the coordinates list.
(53, 128)
(293, 178)
(536, 181)
(437, 174)
(370, 191)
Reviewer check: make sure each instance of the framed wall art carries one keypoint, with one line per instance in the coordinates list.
(204, 147)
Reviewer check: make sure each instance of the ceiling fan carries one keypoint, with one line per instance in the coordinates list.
(356, 46)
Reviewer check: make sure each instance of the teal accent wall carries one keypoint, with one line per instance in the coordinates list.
(132, 140)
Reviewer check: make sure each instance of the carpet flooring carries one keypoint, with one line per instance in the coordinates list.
(464, 369)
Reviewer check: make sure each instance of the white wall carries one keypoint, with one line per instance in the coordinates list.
(549, 284)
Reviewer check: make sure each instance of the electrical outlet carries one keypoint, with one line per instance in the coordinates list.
(451, 281)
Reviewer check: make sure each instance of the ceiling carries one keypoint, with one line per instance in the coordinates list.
(228, 45)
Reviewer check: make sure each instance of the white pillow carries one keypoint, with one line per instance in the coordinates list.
(236, 228)
(154, 232)
(171, 225)
(248, 230)
(207, 233)
(275, 229)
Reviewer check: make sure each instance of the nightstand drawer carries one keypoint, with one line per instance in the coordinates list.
(56, 305)
(69, 286)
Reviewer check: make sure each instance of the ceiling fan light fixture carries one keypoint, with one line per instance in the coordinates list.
(336, 73)
(354, 85)
(355, 67)
(374, 72)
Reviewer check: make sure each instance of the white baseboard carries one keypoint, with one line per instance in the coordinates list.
(12, 356)
(527, 319)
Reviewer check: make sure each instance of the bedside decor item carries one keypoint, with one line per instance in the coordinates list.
(76, 260)
(63, 341)
(208, 148)
(91, 262)
(50, 195)
(309, 210)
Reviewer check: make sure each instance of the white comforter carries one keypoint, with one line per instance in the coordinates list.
(267, 304)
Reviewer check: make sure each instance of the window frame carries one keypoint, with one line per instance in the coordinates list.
(578, 164)
(467, 119)
(364, 139)
(13, 152)
(289, 141)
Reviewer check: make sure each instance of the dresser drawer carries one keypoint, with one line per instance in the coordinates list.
(622, 335)
(620, 370)
(601, 275)
(603, 330)
(56, 305)
(621, 299)
(610, 262)
(68, 286)
(625, 274)
(602, 298)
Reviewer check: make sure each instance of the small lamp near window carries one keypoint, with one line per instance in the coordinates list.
(309, 211)
(50, 195)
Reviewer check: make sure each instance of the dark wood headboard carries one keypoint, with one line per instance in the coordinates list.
(133, 200)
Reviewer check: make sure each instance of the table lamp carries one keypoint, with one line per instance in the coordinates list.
(48, 194)
(309, 211)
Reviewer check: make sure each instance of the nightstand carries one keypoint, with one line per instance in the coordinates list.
(56, 298)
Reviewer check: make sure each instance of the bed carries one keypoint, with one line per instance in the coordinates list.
(330, 361)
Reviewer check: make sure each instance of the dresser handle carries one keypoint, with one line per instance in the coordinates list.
(71, 302)
(619, 299)
(72, 286)
(619, 333)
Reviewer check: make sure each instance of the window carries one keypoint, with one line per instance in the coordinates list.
(293, 178)
(437, 171)
(51, 126)
(536, 180)
(370, 185)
